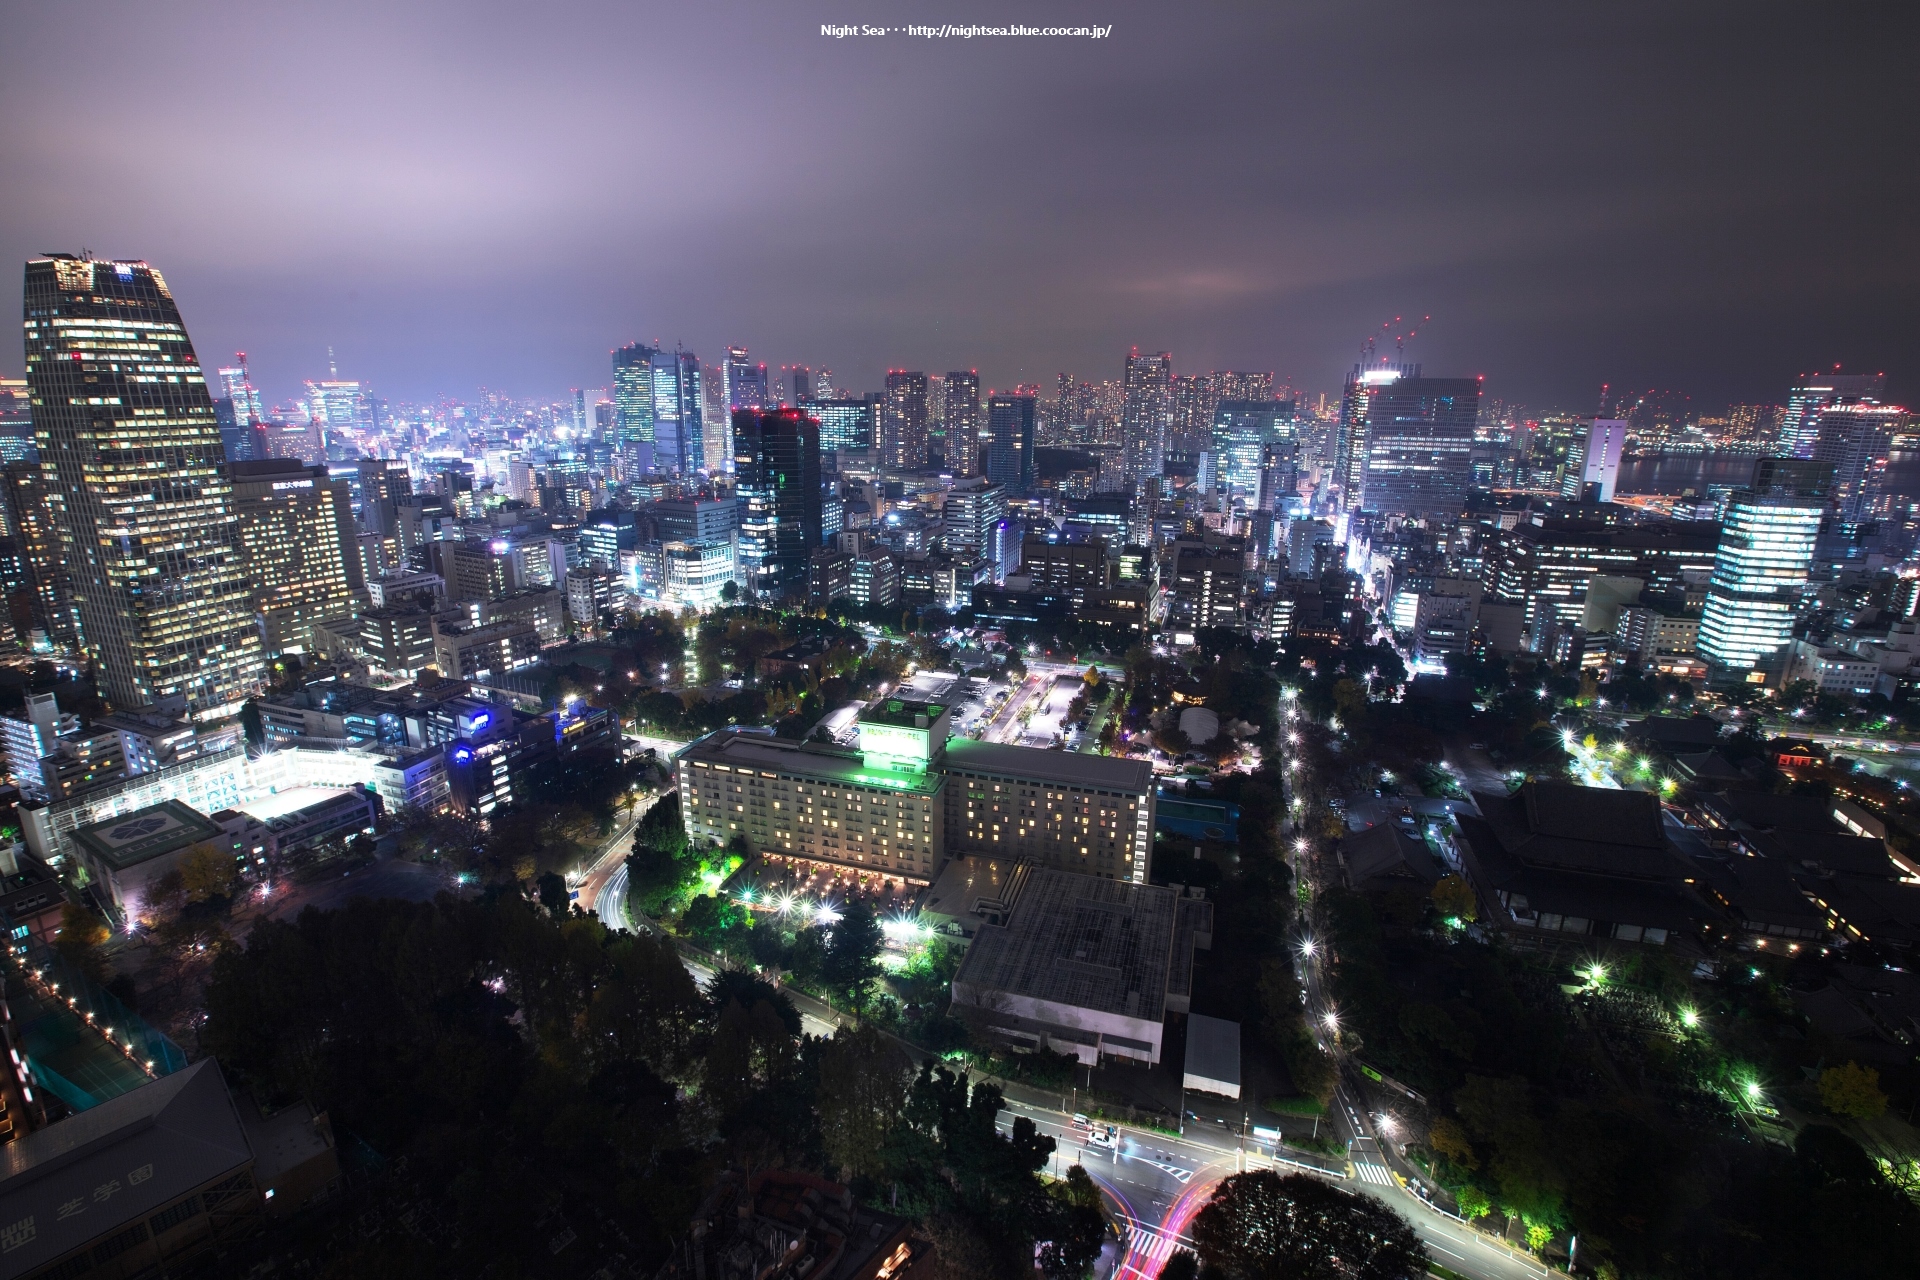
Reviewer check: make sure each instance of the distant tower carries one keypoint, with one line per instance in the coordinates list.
(1006, 446)
(746, 381)
(1146, 414)
(904, 421)
(961, 396)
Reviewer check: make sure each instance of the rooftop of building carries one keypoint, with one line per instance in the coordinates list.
(1068, 768)
(144, 834)
(905, 713)
(1592, 830)
(756, 753)
(151, 1146)
(1111, 946)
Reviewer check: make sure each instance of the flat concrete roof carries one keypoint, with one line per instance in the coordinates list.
(144, 834)
(1213, 1055)
(1071, 768)
(753, 752)
(1081, 941)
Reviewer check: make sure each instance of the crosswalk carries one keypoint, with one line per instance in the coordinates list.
(1149, 1248)
(1373, 1173)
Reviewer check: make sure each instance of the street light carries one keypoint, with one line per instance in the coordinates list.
(1307, 949)
(1690, 1018)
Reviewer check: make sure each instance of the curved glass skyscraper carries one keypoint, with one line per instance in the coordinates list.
(136, 480)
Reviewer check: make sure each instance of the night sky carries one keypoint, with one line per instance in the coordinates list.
(1709, 197)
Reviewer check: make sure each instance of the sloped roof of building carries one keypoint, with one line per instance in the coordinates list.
(1384, 852)
(1669, 732)
(1761, 811)
(1593, 830)
(1827, 851)
(119, 1161)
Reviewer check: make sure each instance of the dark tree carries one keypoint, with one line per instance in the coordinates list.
(853, 951)
(553, 892)
(1262, 1226)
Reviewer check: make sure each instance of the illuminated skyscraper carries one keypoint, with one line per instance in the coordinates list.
(1761, 567)
(1240, 430)
(678, 414)
(1404, 443)
(776, 465)
(903, 424)
(633, 409)
(1146, 414)
(1811, 396)
(960, 400)
(746, 381)
(1006, 446)
(16, 421)
(1855, 437)
(245, 438)
(42, 598)
(846, 424)
(136, 481)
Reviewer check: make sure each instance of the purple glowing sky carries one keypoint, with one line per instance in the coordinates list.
(1712, 197)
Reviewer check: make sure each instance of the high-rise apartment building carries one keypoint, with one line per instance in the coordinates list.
(16, 421)
(136, 481)
(1193, 401)
(746, 382)
(1811, 396)
(903, 426)
(1146, 414)
(1410, 440)
(1855, 437)
(960, 404)
(384, 484)
(1006, 446)
(1761, 569)
(776, 466)
(297, 528)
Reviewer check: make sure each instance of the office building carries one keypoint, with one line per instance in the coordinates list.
(777, 483)
(242, 435)
(695, 573)
(1207, 587)
(1411, 439)
(1761, 569)
(746, 382)
(16, 421)
(960, 404)
(903, 426)
(299, 539)
(1146, 414)
(1549, 565)
(1812, 396)
(634, 407)
(133, 465)
(1240, 432)
(1006, 446)
(40, 598)
(678, 413)
(975, 515)
(846, 424)
(1593, 459)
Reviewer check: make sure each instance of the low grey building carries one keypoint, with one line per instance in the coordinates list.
(1084, 965)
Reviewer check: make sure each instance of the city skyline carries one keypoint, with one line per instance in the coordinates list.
(1567, 214)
